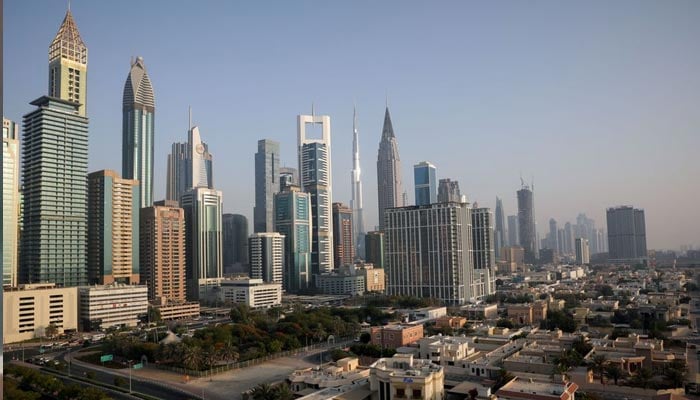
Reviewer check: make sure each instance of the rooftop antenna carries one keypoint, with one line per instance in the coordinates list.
(190, 117)
(68, 5)
(386, 98)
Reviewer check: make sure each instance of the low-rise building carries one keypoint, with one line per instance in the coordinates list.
(252, 292)
(528, 313)
(519, 389)
(395, 336)
(177, 310)
(445, 350)
(29, 309)
(105, 306)
(403, 377)
(481, 311)
(375, 281)
(340, 283)
(452, 322)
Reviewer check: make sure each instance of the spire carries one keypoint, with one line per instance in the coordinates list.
(189, 123)
(68, 43)
(355, 144)
(388, 129)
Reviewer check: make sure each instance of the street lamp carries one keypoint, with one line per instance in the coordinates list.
(130, 375)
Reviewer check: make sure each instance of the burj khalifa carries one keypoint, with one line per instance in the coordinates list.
(358, 222)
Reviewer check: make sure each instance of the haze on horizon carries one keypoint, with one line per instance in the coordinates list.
(598, 101)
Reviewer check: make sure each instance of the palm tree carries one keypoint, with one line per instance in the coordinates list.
(192, 357)
(614, 372)
(502, 377)
(263, 392)
(229, 353)
(675, 373)
(283, 392)
(598, 364)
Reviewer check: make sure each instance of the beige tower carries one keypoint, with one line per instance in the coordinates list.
(113, 228)
(163, 252)
(68, 64)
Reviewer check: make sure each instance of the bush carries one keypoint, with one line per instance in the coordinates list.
(119, 381)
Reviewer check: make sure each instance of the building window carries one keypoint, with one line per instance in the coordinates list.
(400, 393)
(417, 394)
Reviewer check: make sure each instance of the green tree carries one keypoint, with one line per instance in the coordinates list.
(614, 372)
(675, 373)
(283, 392)
(51, 330)
(643, 378)
(192, 357)
(597, 365)
(120, 381)
(502, 377)
(263, 392)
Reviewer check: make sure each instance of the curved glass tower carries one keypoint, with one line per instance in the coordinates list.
(138, 130)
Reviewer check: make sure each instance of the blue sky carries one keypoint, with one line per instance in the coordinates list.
(598, 100)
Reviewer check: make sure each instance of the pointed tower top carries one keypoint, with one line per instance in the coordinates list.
(388, 129)
(138, 90)
(68, 43)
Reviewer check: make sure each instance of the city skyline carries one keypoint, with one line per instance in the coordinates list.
(416, 108)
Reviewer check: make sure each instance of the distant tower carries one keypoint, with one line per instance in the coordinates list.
(203, 246)
(288, 177)
(293, 220)
(189, 165)
(235, 241)
(627, 241)
(113, 228)
(553, 235)
(499, 233)
(526, 223)
(513, 231)
(266, 255)
(358, 219)
(138, 114)
(374, 246)
(343, 246)
(68, 65)
(425, 181)
(267, 165)
(10, 201)
(389, 188)
(315, 175)
(448, 191)
(583, 254)
(484, 278)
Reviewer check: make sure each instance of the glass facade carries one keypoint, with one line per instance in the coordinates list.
(267, 164)
(425, 181)
(54, 239)
(293, 220)
(10, 201)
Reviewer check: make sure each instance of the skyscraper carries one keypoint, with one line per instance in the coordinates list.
(553, 237)
(10, 201)
(583, 255)
(235, 241)
(293, 220)
(484, 278)
(203, 238)
(526, 223)
(513, 231)
(627, 240)
(68, 65)
(315, 175)
(358, 219)
(415, 267)
(138, 115)
(54, 170)
(425, 181)
(374, 246)
(389, 188)
(113, 228)
(266, 255)
(569, 239)
(343, 240)
(267, 165)
(448, 191)
(162, 237)
(288, 177)
(189, 165)
(500, 233)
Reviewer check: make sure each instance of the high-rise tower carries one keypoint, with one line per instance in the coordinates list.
(425, 181)
(54, 171)
(10, 201)
(358, 220)
(448, 191)
(499, 233)
(68, 65)
(484, 278)
(389, 188)
(189, 165)
(138, 114)
(315, 177)
(627, 240)
(526, 223)
(343, 246)
(293, 220)
(267, 165)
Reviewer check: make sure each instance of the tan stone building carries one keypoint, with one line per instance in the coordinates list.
(375, 280)
(528, 313)
(395, 336)
(113, 228)
(28, 310)
(403, 377)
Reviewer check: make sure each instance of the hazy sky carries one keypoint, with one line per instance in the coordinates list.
(598, 100)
